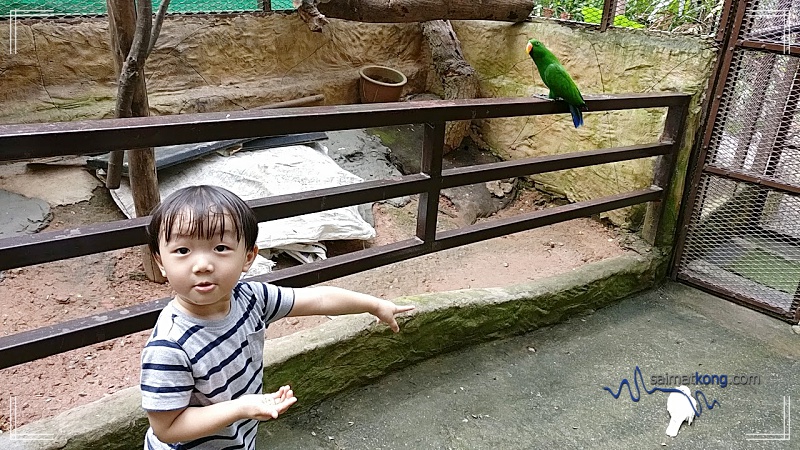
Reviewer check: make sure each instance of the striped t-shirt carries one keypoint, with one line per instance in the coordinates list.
(193, 362)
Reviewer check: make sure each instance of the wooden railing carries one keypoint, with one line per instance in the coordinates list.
(27, 141)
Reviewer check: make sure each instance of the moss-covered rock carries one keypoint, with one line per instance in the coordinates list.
(353, 350)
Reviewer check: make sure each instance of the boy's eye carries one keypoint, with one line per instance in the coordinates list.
(182, 251)
(221, 248)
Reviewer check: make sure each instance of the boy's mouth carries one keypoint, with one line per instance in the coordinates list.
(204, 286)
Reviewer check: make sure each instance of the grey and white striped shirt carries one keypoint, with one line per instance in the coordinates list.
(193, 362)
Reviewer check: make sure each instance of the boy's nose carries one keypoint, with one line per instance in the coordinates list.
(202, 264)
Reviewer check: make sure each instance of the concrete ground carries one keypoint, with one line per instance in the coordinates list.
(545, 389)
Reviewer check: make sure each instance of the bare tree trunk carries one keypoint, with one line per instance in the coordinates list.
(131, 42)
(121, 25)
(457, 76)
(314, 12)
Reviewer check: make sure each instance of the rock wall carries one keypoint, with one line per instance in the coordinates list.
(614, 62)
(63, 71)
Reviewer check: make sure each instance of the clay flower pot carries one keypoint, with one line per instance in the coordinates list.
(380, 84)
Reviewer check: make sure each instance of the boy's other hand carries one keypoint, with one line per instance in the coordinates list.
(386, 311)
(268, 406)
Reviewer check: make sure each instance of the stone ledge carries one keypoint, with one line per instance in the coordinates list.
(353, 350)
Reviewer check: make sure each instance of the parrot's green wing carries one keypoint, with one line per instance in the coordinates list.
(557, 79)
(561, 85)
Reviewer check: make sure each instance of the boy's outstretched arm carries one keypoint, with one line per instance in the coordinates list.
(194, 422)
(334, 301)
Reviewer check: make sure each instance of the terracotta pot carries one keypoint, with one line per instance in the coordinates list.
(547, 12)
(380, 84)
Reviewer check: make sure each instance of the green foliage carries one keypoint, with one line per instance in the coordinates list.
(594, 15)
(622, 21)
(699, 16)
(680, 15)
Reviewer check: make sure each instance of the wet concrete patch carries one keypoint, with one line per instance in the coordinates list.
(22, 215)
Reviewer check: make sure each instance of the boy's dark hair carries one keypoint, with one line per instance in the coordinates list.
(207, 208)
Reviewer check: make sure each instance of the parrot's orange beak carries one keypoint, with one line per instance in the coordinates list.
(528, 48)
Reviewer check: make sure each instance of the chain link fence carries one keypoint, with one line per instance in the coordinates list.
(89, 8)
(692, 16)
(687, 16)
(743, 238)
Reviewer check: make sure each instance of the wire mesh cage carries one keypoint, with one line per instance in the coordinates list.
(746, 240)
(743, 236)
(773, 21)
(690, 16)
(90, 8)
(758, 130)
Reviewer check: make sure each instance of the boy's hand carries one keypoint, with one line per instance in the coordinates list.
(268, 406)
(386, 310)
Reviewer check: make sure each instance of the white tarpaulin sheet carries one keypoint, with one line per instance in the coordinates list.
(265, 173)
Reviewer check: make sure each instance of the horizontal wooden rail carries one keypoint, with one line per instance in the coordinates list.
(788, 48)
(31, 345)
(736, 175)
(27, 141)
(515, 168)
(25, 250)
(549, 216)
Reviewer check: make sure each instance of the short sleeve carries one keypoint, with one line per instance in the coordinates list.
(277, 301)
(166, 378)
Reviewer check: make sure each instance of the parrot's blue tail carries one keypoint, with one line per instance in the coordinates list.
(577, 116)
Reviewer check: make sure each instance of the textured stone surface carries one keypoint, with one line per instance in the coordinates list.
(236, 62)
(201, 64)
(56, 185)
(615, 62)
(353, 350)
(114, 422)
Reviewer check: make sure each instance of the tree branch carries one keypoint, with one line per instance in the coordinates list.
(455, 73)
(405, 11)
(162, 12)
(136, 58)
(126, 84)
(307, 9)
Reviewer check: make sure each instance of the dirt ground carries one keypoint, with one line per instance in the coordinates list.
(35, 296)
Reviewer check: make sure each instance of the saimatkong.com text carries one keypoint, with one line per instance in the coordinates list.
(697, 378)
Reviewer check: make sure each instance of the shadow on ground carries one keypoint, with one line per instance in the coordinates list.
(545, 389)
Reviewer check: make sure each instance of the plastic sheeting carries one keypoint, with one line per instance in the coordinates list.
(266, 173)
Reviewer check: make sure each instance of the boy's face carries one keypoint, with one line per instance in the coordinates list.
(203, 271)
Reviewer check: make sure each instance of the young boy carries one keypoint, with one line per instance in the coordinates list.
(202, 367)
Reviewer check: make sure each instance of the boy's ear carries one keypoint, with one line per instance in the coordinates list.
(250, 257)
(157, 259)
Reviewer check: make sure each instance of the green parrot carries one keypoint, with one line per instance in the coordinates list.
(557, 79)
